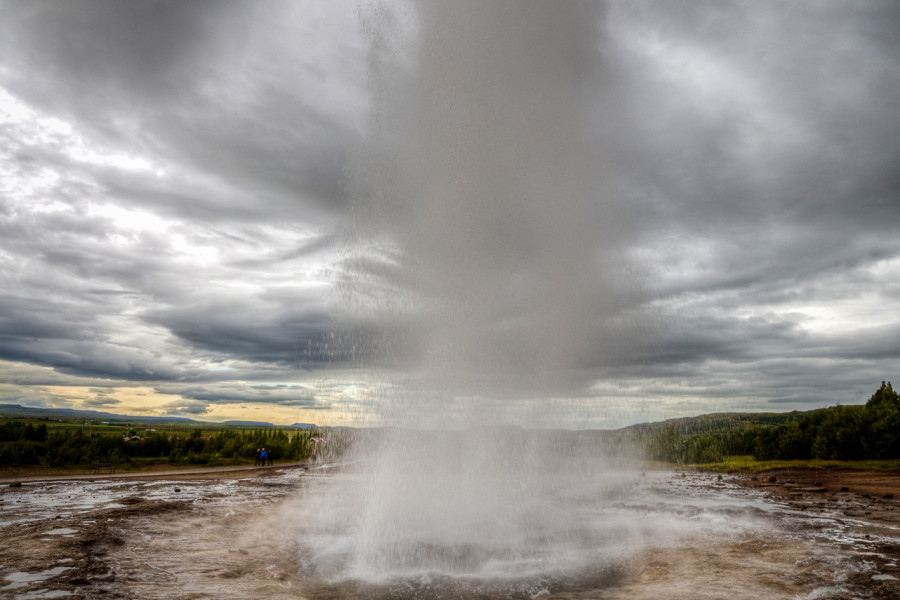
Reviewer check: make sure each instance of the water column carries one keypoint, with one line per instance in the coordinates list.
(485, 232)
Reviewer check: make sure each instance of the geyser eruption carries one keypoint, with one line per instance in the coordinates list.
(484, 266)
(486, 248)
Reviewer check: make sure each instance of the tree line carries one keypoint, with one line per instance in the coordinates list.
(857, 432)
(869, 431)
(23, 444)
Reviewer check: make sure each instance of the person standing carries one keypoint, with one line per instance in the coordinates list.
(263, 455)
(258, 457)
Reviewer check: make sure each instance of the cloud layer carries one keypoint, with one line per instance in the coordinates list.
(189, 202)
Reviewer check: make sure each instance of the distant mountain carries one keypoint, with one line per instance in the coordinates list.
(708, 423)
(15, 410)
(714, 422)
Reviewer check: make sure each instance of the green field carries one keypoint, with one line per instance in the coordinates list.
(747, 464)
(53, 444)
(864, 436)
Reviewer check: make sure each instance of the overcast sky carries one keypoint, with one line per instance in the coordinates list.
(286, 211)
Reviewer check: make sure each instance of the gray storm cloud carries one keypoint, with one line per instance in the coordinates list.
(695, 198)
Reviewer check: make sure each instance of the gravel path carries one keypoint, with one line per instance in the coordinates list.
(193, 473)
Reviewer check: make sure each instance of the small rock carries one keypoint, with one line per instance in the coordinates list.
(845, 489)
(16, 484)
(773, 479)
(888, 496)
(177, 489)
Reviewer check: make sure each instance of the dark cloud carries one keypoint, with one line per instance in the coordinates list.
(698, 198)
(187, 408)
(231, 393)
(253, 330)
(763, 118)
(199, 85)
(151, 49)
(101, 401)
(30, 375)
(757, 147)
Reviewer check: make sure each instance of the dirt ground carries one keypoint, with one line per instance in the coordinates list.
(157, 472)
(868, 501)
(868, 495)
(92, 552)
(71, 560)
(62, 547)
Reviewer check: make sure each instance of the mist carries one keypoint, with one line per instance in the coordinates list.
(487, 242)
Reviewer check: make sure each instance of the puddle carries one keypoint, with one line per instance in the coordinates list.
(19, 579)
(42, 594)
(43, 501)
(61, 531)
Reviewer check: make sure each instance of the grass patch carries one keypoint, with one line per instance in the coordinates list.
(747, 464)
(7, 472)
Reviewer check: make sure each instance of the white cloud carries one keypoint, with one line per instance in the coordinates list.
(185, 204)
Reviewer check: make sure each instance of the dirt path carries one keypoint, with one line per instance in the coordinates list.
(868, 495)
(184, 473)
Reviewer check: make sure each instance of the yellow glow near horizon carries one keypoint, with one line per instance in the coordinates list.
(339, 398)
(147, 402)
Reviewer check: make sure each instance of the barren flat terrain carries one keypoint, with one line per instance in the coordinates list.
(867, 495)
(246, 533)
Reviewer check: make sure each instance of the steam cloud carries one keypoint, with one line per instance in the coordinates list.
(487, 239)
(488, 231)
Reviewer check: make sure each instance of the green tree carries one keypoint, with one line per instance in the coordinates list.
(884, 397)
(882, 435)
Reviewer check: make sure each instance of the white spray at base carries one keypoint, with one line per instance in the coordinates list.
(484, 272)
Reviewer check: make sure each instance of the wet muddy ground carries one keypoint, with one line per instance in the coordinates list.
(243, 536)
